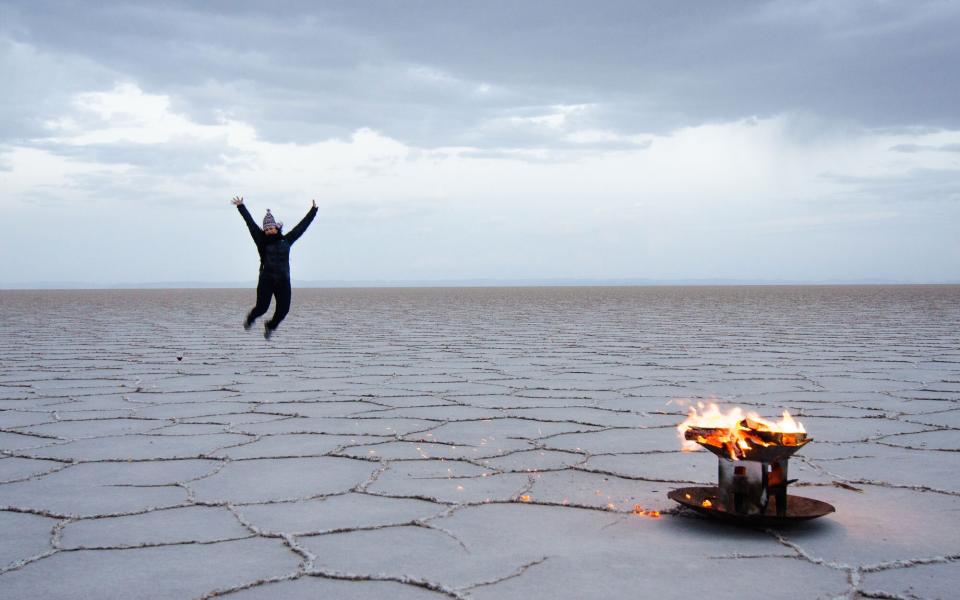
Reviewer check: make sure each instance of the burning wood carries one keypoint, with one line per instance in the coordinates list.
(741, 436)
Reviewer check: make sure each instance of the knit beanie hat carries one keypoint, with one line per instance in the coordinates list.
(269, 221)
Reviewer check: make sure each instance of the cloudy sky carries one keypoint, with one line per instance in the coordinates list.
(444, 140)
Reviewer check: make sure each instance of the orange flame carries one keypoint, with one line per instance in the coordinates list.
(734, 429)
(640, 511)
(525, 498)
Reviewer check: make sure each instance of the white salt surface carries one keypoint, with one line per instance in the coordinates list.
(469, 443)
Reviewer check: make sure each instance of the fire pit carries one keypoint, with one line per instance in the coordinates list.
(753, 458)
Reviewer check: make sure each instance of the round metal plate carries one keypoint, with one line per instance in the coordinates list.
(798, 507)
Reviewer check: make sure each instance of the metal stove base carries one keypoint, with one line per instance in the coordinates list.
(798, 508)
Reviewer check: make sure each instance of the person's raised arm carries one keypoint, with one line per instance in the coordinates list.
(297, 231)
(255, 231)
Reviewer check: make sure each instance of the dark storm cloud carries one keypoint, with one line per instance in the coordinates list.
(434, 73)
(39, 86)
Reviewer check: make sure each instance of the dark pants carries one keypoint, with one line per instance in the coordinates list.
(271, 285)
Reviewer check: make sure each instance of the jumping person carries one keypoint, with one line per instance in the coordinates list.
(274, 249)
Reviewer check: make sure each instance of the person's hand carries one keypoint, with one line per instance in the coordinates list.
(314, 203)
(237, 200)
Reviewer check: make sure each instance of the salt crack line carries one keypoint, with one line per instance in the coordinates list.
(899, 486)
(309, 558)
(36, 475)
(740, 555)
(516, 573)
(404, 579)
(381, 469)
(882, 595)
(55, 535)
(423, 523)
(19, 564)
(853, 572)
(159, 544)
(217, 593)
(910, 562)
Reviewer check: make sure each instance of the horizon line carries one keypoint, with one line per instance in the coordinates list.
(464, 283)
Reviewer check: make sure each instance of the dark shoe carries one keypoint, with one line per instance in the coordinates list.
(247, 324)
(267, 331)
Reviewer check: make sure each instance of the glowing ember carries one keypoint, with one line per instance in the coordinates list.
(706, 504)
(640, 511)
(737, 434)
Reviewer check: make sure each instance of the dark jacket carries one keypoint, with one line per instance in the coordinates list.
(275, 249)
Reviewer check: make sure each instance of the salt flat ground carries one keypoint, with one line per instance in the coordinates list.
(469, 443)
